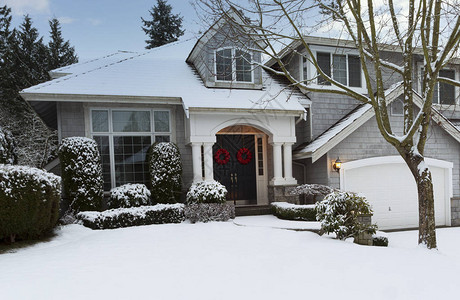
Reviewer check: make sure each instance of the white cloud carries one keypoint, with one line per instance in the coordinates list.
(95, 22)
(66, 20)
(20, 7)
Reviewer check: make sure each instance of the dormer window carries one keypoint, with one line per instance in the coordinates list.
(444, 93)
(233, 65)
(343, 68)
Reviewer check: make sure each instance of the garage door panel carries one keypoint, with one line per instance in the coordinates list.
(391, 190)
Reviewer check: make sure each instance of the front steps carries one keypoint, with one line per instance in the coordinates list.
(252, 210)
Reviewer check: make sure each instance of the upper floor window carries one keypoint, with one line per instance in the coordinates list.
(233, 65)
(444, 93)
(343, 68)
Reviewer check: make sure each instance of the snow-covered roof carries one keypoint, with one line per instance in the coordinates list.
(352, 121)
(160, 73)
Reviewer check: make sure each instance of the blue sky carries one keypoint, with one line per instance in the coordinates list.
(98, 27)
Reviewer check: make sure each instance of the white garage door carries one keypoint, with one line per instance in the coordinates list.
(390, 188)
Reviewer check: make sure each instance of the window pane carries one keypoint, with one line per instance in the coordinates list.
(130, 159)
(447, 91)
(131, 121)
(161, 121)
(224, 64)
(103, 147)
(397, 107)
(100, 120)
(162, 138)
(340, 68)
(324, 62)
(243, 66)
(304, 68)
(354, 71)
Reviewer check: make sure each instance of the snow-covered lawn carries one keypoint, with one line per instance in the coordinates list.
(224, 261)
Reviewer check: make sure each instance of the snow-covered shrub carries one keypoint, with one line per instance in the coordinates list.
(206, 212)
(134, 216)
(207, 192)
(288, 211)
(81, 173)
(380, 239)
(312, 191)
(129, 195)
(7, 147)
(165, 168)
(339, 211)
(29, 202)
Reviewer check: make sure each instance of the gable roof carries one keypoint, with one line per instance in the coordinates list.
(160, 75)
(360, 115)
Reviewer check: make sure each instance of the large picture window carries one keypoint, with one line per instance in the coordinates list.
(343, 68)
(124, 137)
(233, 65)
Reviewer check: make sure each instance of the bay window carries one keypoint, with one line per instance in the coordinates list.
(124, 137)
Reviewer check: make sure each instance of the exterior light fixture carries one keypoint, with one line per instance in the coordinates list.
(337, 164)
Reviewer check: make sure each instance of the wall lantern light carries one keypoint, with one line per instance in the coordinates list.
(337, 164)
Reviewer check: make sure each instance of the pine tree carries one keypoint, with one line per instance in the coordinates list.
(7, 39)
(164, 27)
(60, 53)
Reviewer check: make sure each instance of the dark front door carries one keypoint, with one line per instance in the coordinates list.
(238, 178)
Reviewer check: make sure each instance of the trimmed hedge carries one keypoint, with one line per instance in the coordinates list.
(207, 192)
(129, 195)
(7, 148)
(206, 212)
(81, 173)
(29, 202)
(135, 216)
(165, 169)
(288, 211)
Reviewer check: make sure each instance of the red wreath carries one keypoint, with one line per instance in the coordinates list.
(239, 156)
(219, 153)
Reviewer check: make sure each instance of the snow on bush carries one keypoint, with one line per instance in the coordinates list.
(339, 211)
(29, 202)
(134, 216)
(288, 211)
(165, 168)
(81, 173)
(206, 212)
(380, 239)
(207, 192)
(7, 147)
(129, 195)
(312, 190)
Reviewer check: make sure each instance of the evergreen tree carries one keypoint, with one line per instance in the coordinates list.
(60, 53)
(164, 27)
(7, 39)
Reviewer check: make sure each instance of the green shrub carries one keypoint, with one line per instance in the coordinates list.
(81, 173)
(288, 211)
(339, 211)
(29, 202)
(135, 216)
(129, 195)
(379, 240)
(206, 212)
(207, 192)
(165, 168)
(7, 148)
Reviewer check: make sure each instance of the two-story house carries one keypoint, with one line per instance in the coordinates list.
(238, 124)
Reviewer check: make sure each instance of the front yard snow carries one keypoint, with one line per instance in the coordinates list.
(219, 260)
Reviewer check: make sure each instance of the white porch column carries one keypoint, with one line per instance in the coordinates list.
(277, 165)
(196, 162)
(287, 148)
(208, 163)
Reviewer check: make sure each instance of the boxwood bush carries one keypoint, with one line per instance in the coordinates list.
(81, 173)
(207, 192)
(135, 216)
(7, 147)
(129, 195)
(338, 212)
(288, 211)
(29, 202)
(165, 168)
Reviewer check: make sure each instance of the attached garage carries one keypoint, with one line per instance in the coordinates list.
(390, 188)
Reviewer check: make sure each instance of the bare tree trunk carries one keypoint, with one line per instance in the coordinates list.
(423, 179)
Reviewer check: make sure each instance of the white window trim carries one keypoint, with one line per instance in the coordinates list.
(111, 133)
(456, 89)
(233, 66)
(311, 70)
